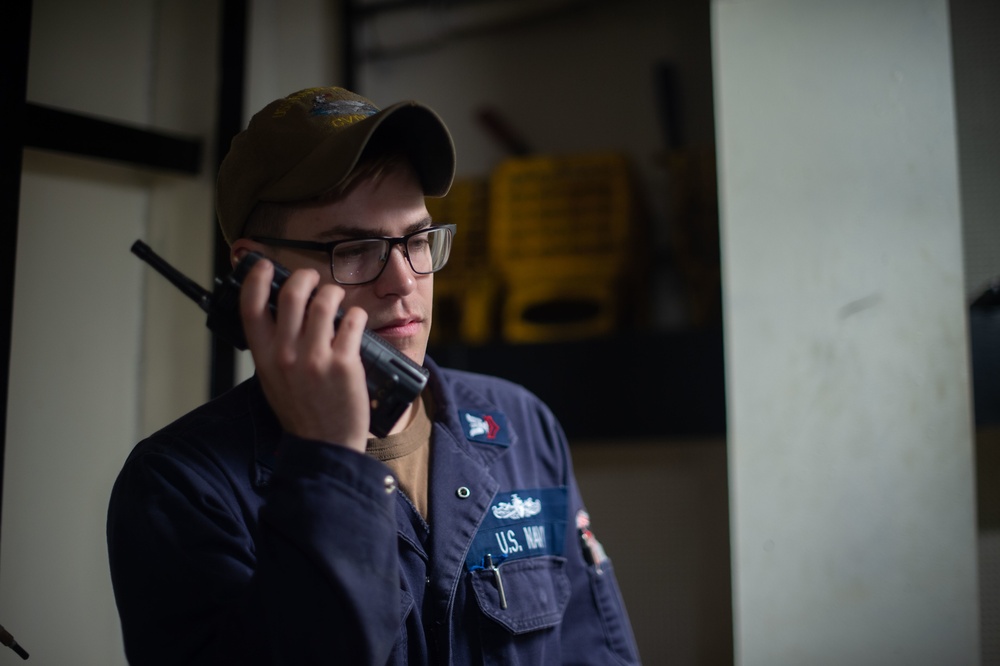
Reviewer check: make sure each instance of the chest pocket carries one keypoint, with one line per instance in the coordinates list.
(536, 591)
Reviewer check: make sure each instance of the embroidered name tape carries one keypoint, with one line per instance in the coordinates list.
(521, 523)
(485, 427)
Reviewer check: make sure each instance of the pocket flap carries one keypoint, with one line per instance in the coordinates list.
(536, 590)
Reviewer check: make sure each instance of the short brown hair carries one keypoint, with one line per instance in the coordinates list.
(268, 217)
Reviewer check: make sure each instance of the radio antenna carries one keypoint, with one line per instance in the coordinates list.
(191, 289)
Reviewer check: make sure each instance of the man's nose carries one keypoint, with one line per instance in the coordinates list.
(397, 276)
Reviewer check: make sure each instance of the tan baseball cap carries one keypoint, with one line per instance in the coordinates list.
(300, 146)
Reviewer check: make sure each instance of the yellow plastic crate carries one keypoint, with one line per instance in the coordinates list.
(467, 206)
(465, 291)
(465, 311)
(553, 215)
(559, 309)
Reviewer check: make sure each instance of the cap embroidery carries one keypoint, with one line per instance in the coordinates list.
(341, 111)
(285, 104)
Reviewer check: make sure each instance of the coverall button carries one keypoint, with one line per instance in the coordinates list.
(390, 484)
(463, 492)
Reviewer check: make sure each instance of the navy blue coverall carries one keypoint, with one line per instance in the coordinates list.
(232, 542)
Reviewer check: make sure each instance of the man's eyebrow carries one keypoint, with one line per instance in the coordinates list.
(347, 231)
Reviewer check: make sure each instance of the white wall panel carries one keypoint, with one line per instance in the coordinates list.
(852, 498)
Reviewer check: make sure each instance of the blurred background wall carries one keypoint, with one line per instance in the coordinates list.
(104, 352)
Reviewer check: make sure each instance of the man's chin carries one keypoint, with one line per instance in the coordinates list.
(409, 348)
(415, 355)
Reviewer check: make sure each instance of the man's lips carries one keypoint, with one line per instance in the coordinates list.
(399, 328)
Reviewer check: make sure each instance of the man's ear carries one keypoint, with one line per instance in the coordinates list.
(241, 246)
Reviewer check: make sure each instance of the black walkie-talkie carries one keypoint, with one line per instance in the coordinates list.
(394, 381)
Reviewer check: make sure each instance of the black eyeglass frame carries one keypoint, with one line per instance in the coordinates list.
(328, 247)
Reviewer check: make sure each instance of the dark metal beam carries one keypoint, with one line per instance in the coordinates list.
(530, 15)
(365, 9)
(15, 36)
(229, 123)
(49, 128)
(348, 47)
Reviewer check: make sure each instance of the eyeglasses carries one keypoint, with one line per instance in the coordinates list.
(362, 260)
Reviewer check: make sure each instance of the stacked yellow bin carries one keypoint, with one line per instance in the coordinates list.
(561, 235)
(465, 291)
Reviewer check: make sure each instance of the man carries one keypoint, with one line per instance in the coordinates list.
(268, 527)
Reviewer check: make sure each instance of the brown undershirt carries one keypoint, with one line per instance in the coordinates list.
(407, 454)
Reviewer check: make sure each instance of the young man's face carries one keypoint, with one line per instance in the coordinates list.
(398, 302)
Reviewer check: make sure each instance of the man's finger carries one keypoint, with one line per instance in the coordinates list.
(319, 332)
(351, 328)
(254, 295)
(293, 299)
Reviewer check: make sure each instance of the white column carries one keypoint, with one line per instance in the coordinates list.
(851, 473)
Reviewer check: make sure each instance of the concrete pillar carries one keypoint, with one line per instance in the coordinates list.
(851, 474)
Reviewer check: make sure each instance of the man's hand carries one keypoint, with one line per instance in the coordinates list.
(312, 377)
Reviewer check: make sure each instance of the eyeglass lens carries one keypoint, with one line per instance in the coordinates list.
(362, 260)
